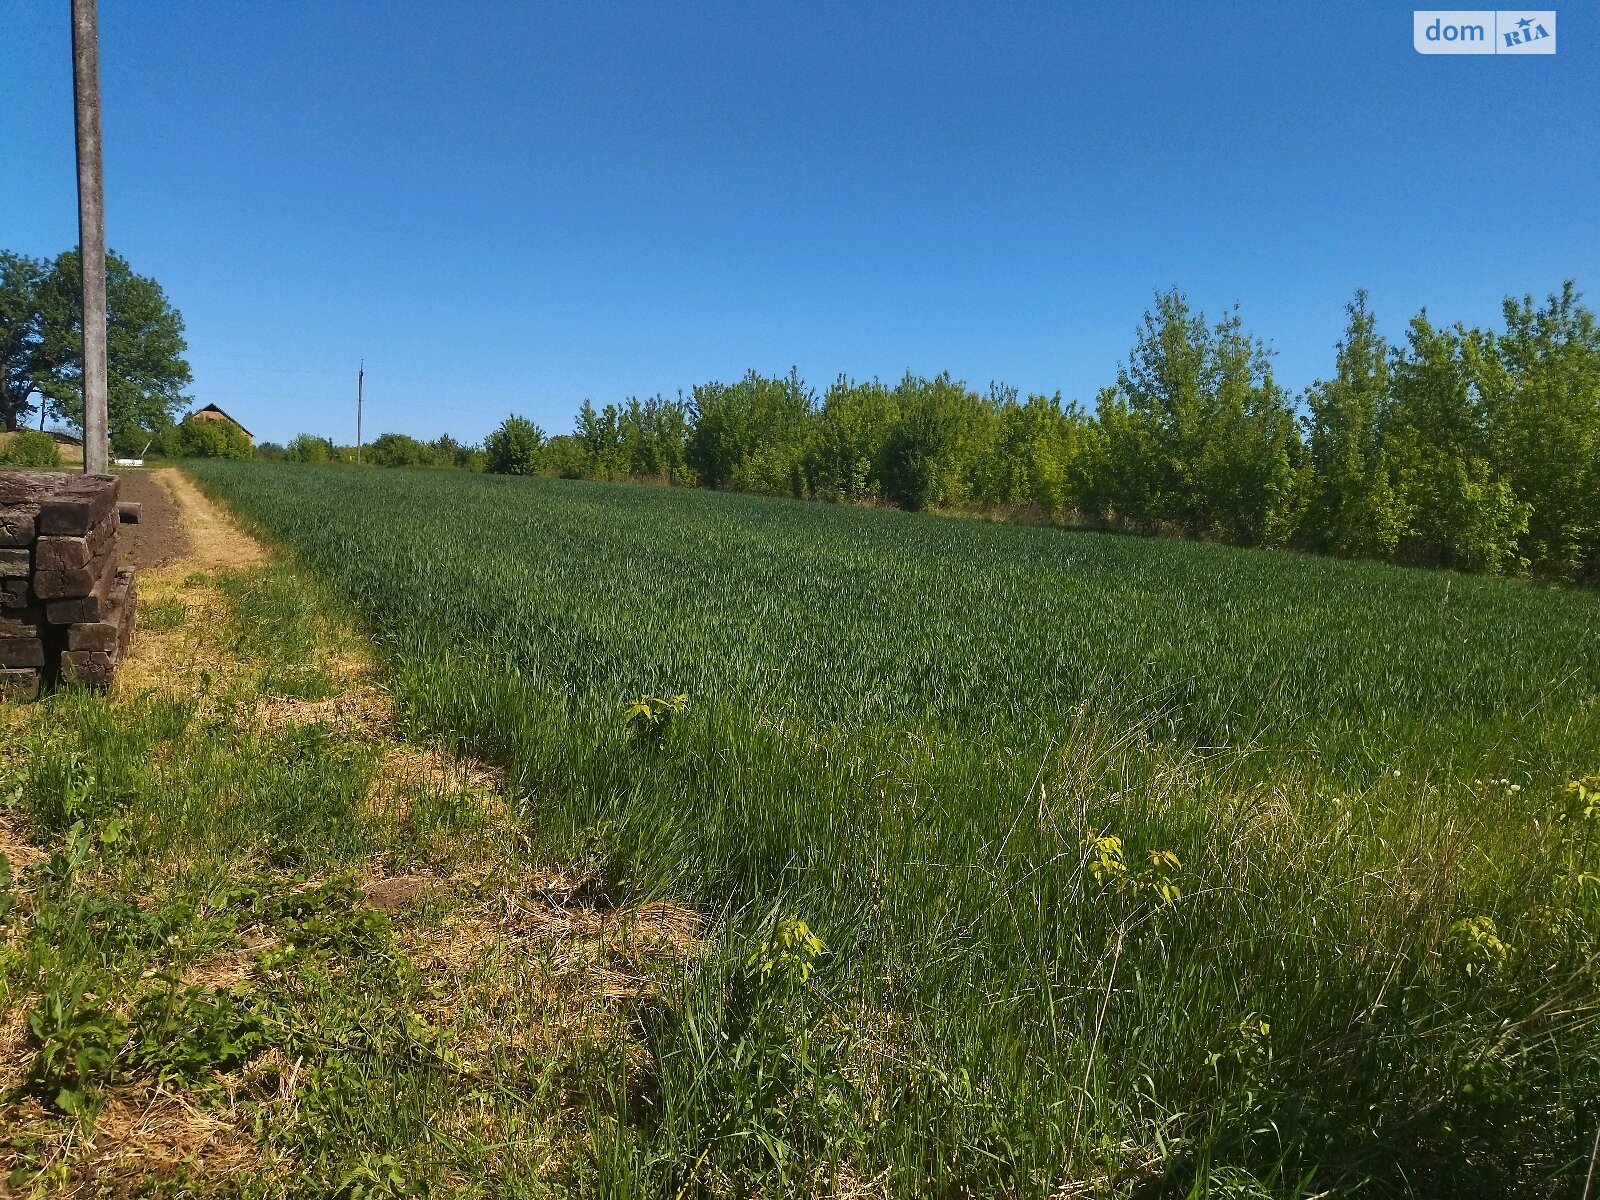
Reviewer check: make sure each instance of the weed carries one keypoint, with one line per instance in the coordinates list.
(75, 1042)
(163, 615)
(652, 716)
(183, 1035)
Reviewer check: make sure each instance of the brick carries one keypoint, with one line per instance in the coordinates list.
(15, 563)
(21, 652)
(69, 516)
(92, 668)
(65, 567)
(92, 607)
(73, 566)
(17, 527)
(67, 585)
(19, 683)
(128, 511)
(29, 489)
(112, 634)
(15, 593)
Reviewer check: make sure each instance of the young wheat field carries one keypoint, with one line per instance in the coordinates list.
(1116, 859)
(740, 847)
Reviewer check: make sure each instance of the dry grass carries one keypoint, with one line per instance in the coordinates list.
(13, 1046)
(15, 848)
(139, 1137)
(363, 712)
(216, 543)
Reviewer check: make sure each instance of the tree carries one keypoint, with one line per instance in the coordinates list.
(1354, 507)
(751, 436)
(1541, 394)
(397, 450)
(309, 448)
(845, 447)
(146, 370)
(447, 452)
(1039, 455)
(1462, 512)
(654, 438)
(516, 448)
(599, 436)
(926, 457)
(207, 439)
(20, 331)
(1198, 434)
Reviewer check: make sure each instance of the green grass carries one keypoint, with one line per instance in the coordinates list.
(907, 732)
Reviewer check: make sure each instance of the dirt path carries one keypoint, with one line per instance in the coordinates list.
(159, 537)
(208, 537)
(174, 643)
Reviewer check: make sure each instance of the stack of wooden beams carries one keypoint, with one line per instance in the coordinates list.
(66, 609)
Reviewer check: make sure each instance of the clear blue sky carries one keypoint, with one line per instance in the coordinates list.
(515, 206)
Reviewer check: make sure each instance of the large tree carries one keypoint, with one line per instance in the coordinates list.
(41, 347)
(1461, 511)
(20, 322)
(750, 436)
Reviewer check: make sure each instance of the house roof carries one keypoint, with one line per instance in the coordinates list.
(214, 409)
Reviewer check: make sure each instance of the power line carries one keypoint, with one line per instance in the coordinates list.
(419, 381)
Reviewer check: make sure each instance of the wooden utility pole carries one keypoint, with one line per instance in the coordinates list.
(91, 232)
(361, 377)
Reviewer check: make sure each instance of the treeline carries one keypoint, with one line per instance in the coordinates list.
(1461, 447)
(386, 450)
(1468, 448)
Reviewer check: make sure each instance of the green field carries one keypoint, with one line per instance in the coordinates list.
(915, 734)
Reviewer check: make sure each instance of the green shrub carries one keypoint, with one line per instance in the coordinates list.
(29, 448)
(184, 1034)
(516, 448)
(75, 1043)
(207, 439)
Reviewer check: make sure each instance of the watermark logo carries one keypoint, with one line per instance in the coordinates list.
(1484, 31)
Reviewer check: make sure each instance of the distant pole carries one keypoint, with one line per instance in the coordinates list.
(91, 232)
(361, 377)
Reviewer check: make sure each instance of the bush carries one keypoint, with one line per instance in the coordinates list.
(516, 448)
(309, 448)
(208, 439)
(29, 448)
(398, 450)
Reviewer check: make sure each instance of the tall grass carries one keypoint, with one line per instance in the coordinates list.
(1345, 938)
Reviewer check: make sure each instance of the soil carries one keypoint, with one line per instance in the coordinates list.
(159, 537)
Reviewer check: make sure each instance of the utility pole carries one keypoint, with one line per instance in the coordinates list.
(361, 378)
(91, 232)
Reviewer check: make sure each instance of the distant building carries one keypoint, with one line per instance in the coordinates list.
(212, 413)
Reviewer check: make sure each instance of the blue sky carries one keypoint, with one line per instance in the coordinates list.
(512, 207)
